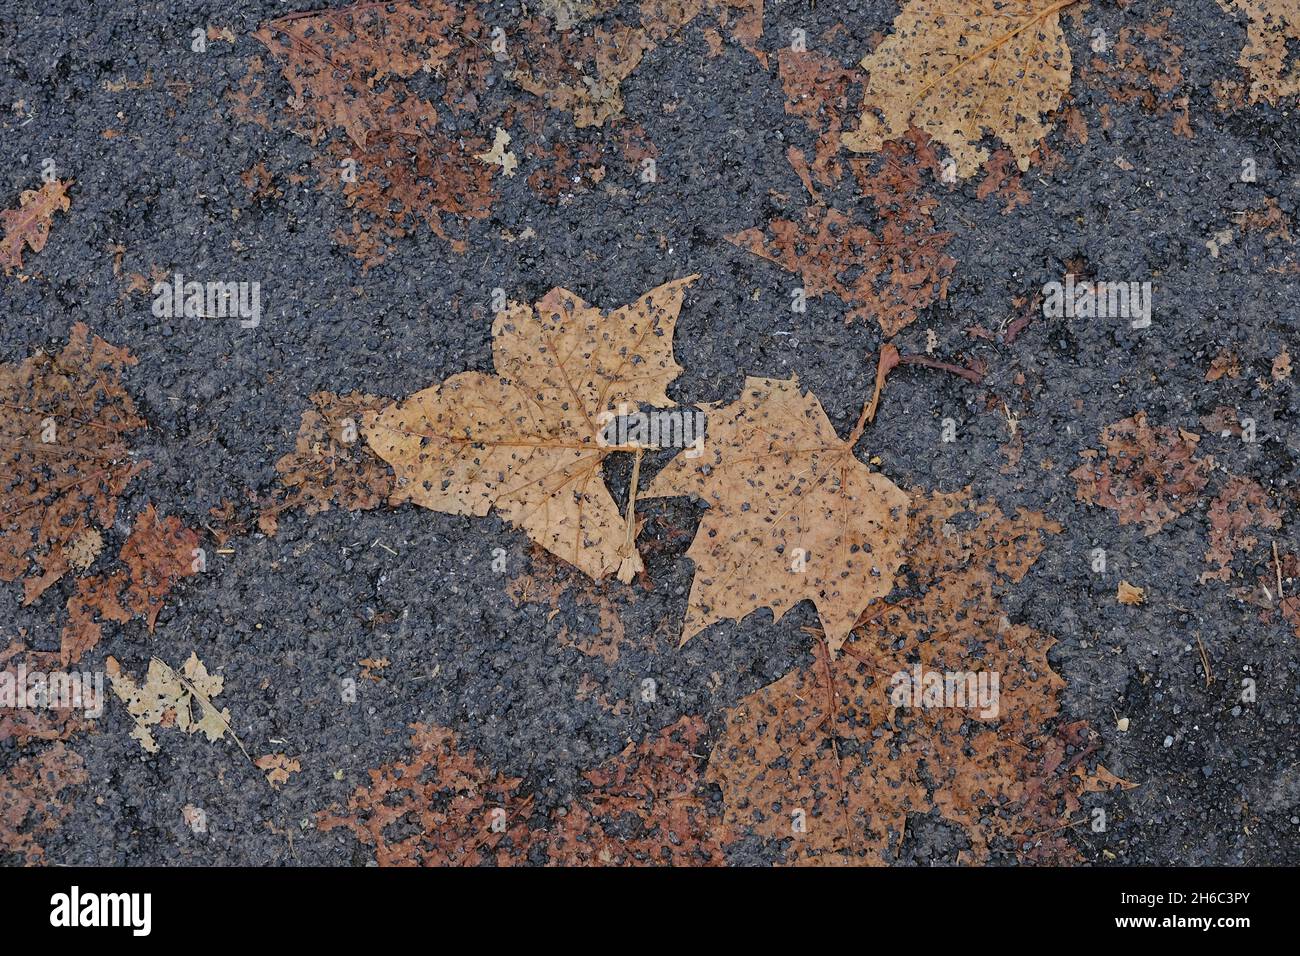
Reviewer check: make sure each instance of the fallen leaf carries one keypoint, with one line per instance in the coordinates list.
(1242, 506)
(29, 224)
(1149, 476)
(657, 785)
(793, 514)
(527, 442)
(159, 552)
(959, 71)
(33, 800)
(888, 273)
(831, 759)
(169, 698)
(331, 465)
(65, 455)
(277, 768)
(1144, 65)
(498, 155)
(1273, 30)
(1130, 594)
(1282, 366)
(446, 803)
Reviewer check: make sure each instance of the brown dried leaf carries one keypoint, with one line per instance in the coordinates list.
(95, 596)
(32, 795)
(159, 552)
(889, 273)
(655, 786)
(1274, 27)
(959, 71)
(1241, 507)
(527, 441)
(1149, 476)
(581, 72)
(1281, 369)
(817, 89)
(65, 459)
(29, 224)
(1144, 66)
(1130, 594)
(440, 805)
(349, 70)
(330, 466)
(840, 740)
(793, 514)
(23, 724)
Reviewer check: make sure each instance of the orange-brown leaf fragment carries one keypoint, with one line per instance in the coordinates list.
(1273, 30)
(29, 224)
(1149, 476)
(277, 768)
(1144, 66)
(331, 466)
(959, 71)
(65, 458)
(817, 89)
(159, 552)
(439, 807)
(1241, 508)
(832, 758)
(33, 795)
(793, 514)
(1130, 594)
(657, 787)
(528, 442)
(24, 723)
(97, 599)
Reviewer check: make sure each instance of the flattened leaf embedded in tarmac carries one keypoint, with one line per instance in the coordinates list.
(1239, 513)
(65, 458)
(29, 224)
(527, 442)
(1148, 476)
(443, 806)
(958, 69)
(32, 799)
(659, 784)
(833, 757)
(1273, 30)
(793, 514)
(330, 465)
(887, 272)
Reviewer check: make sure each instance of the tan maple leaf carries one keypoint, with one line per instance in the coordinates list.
(29, 224)
(168, 697)
(959, 71)
(527, 441)
(1274, 27)
(793, 514)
